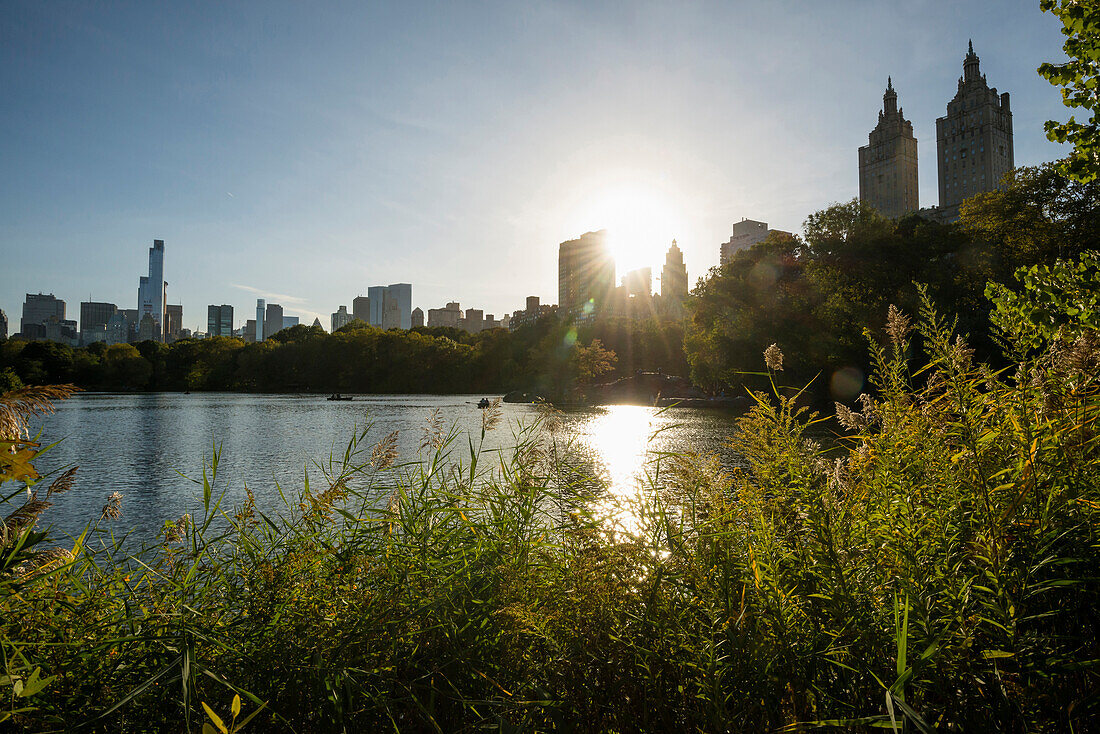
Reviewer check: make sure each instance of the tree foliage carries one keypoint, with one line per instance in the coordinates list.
(1079, 79)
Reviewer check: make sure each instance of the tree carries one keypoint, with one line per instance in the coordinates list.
(1079, 78)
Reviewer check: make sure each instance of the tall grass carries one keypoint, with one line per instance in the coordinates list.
(935, 566)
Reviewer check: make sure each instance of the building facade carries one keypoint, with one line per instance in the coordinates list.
(530, 314)
(746, 233)
(152, 291)
(38, 308)
(674, 275)
(360, 308)
(888, 163)
(340, 319)
(973, 141)
(219, 320)
(3, 324)
(258, 325)
(586, 275)
(417, 317)
(273, 320)
(449, 315)
(94, 316)
(173, 321)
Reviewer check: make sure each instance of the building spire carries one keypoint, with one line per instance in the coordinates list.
(970, 64)
(890, 99)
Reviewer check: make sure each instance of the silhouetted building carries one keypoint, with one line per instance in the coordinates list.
(674, 275)
(173, 321)
(3, 324)
(746, 233)
(340, 319)
(94, 316)
(273, 320)
(888, 163)
(147, 328)
(360, 309)
(248, 331)
(639, 282)
(531, 314)
(219, 320)
(973, 141)
(37, 310)
(258, 326)
(152, 292)
(417, 317)
(586, 275)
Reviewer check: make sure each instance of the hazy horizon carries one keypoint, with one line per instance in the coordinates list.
(302, 154)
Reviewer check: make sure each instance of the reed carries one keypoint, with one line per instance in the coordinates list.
(932, 566)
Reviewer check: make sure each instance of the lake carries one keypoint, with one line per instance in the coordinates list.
(147, 446)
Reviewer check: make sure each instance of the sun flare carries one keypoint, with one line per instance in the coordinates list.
(641, 221)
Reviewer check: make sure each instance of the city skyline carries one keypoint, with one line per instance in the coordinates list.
(396, 160)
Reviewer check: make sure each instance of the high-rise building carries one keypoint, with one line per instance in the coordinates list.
(417, 317)
(3, 324)
(173, 321)
(248, 331)
(360, 309)
(37, 310)
(390, 306)
(317, 323)
(449, 315)
(94, 316)
(888, 163)
(219, 320)
(474, 320)
(273, 320)
(639, 283)
(289, 321)
(117, 329)
(152, 291)
(340, 319)
(147, 329)
(973, 141)
(258, 328)
(674, 275)
(586, 275)
(746, 233)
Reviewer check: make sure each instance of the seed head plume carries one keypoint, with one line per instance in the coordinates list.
(62, 484)
(433, 432)
(490, 417)
(898, 325)
(26, 516)
(773, 358)
(113, 509)
(19, 406)
(177, 531)
(385, 453)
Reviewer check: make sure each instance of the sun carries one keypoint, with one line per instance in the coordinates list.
(641, 221)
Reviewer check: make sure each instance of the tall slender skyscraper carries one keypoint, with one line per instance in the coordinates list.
(674, 275)
(261, 308)
(888, 163)
(973, 141)
(586, 275)
(152, 291)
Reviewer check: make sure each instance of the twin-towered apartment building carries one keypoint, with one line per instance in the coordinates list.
(973, 149)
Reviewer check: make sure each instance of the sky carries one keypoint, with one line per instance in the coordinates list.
(302, 152)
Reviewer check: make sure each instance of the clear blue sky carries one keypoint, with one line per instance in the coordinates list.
(306, 151)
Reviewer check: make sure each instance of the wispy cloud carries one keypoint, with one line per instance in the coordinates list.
(280, 297)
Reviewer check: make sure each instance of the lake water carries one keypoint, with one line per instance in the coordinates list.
(146, 446)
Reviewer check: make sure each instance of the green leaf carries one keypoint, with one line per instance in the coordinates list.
(215, 718)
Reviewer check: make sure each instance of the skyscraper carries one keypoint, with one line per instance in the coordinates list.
(746, 233)
(3, 324)
(390, 306)
(888, 163)
(973, 141)
(340, 318)
(37, 310)
(417, 317)
(674, 275)
(258, 333)
(360, 309)
(173, 321)
(273, 320)
(586, 274)
(152, 291)
(94, 316)
(219, 320)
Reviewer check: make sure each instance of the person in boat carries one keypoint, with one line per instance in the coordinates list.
(483, 403)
